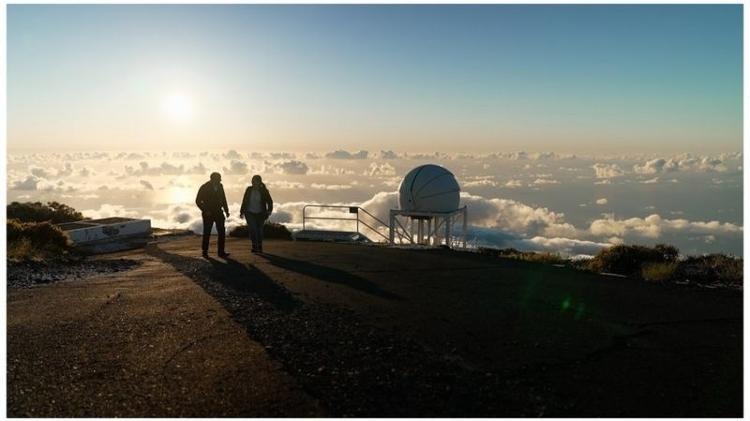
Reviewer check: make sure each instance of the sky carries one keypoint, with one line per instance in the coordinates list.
(455, 78)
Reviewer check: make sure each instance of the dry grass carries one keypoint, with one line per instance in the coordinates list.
(20, 250)
(35, 241)
(659, 272)
(527, 256)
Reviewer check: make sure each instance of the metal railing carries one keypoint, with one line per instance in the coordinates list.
(356, 210)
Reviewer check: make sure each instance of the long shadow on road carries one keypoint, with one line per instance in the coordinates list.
(329, 274)
(239, 278)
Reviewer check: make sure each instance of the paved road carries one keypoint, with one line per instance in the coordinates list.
(333, 329)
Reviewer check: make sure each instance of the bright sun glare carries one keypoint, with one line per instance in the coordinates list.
(180, 195)
(178, 107)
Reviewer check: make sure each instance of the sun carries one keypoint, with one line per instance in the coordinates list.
(178, 107)
(180, 195)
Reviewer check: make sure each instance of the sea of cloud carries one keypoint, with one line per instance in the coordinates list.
(532, 201)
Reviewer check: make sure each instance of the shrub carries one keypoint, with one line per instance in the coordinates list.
(628, 260)
(270, 230)
(54, 212)
(529, 256)
(712, 269)
(28, 240)
(21, 250)
(14, 230)
(659, 272)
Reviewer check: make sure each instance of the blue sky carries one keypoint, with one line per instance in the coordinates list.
(611, 78)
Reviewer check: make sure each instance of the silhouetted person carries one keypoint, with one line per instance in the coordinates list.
(257, 205)
(211, 199)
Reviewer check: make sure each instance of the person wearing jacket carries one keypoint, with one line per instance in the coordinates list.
(256, 206)
(211, 200)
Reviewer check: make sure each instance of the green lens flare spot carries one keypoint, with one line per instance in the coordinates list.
(565, 304)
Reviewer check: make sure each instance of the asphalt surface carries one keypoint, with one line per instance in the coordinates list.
(321, 329)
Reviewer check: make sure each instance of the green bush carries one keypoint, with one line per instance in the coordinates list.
(270, 230)
(629, 259)
(54, 212)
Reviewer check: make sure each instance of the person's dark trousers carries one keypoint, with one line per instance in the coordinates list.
(208, 222)
(255, 227)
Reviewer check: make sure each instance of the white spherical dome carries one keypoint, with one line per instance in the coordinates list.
(429, 188)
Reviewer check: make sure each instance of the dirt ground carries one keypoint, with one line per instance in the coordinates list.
(323, 329)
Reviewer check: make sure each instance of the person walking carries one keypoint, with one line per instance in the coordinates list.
(256, 206)
(211, 200)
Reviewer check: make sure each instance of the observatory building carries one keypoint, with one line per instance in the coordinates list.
(429, 198)
(428, 214)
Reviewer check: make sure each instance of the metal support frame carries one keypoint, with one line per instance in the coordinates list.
(428, 233)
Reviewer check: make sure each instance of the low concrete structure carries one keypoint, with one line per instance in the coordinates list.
(108, 234)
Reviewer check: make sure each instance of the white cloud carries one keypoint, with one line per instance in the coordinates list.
(236, 168)
(682, 163)
(287, 167)
(40, 172)
(341, 154)
(565, 246)
(282, 155)
(656, 166)
(602, 201)
(285, 185)
(653, 226)
(66, 170)
(510, 215)
(331, 170)
(319, 186)
(482, 182)
(145, 169)
(29, 183)
(232, 154)
(380, 170)
(108, 211)
(388, 155)
(607, 170)
(542, 181)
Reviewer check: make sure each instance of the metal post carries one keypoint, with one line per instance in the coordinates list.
(448, 230)
(429, 231)
(465, 220)
(391, 227)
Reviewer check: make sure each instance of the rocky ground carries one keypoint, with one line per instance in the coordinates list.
(30, 274)
(347, 330)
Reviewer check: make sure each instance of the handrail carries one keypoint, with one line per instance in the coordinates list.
(350, 207)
